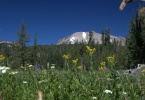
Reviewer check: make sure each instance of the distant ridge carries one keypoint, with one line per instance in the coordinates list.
(84, 37)
(6, 42)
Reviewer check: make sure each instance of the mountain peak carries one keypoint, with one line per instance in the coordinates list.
(84, 37)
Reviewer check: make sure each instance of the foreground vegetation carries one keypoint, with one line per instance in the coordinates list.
(71, 83)
(66, 85)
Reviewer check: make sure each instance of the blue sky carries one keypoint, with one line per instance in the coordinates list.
(55, 19)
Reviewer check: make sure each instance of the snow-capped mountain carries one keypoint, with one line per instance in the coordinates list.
(6, 42)
(84, 37)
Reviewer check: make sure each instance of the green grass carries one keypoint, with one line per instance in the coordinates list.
(67, 85)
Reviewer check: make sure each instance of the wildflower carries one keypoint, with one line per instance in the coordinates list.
(90, 51)
(75, 61)
(66, 56)
(100, 68)
(42, 81)
(25, 68)
(111, 58)
(108, 91)
(4, 71)
(30, 66)
(143, 71)
(13, 73)
(7, 68)
(52, 67)
(88, 48)
(25, 82)
(2, 57)
(124, 93)
(103, 63)
(94, 98)
(109, 79)
(22, 67)
(1, 68)
(107, 75)
(80, 67)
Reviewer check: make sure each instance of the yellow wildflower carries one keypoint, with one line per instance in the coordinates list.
(143, 71)
(103, 63)
(66, 56)
(100, 68)
(80, 67)
(111, 58)
(91, 51)
(75, 61)
(2, 57)
(22, 67)
(107, 75)
(88, 48)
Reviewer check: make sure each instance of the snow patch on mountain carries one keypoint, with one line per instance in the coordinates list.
(72, 40)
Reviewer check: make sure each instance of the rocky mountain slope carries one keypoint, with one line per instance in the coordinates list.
(84, 37)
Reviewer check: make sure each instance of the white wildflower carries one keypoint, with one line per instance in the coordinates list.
(94, 98)
(124, 93)
(4, 67)
(108, 91)
(30, 66)
(42, 81)
(7, 68)
(1, 68)
(109, 79)
(25, 82)
(52, 67)
(4, 71)
(13, 73)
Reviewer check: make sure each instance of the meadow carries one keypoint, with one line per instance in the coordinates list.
(71, 83)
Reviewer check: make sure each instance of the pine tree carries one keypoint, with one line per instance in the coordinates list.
(140, 31)
(103, 37)
(34, 50)
(131, 46)
(107, 37)
(22, 47)
(91, 39)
